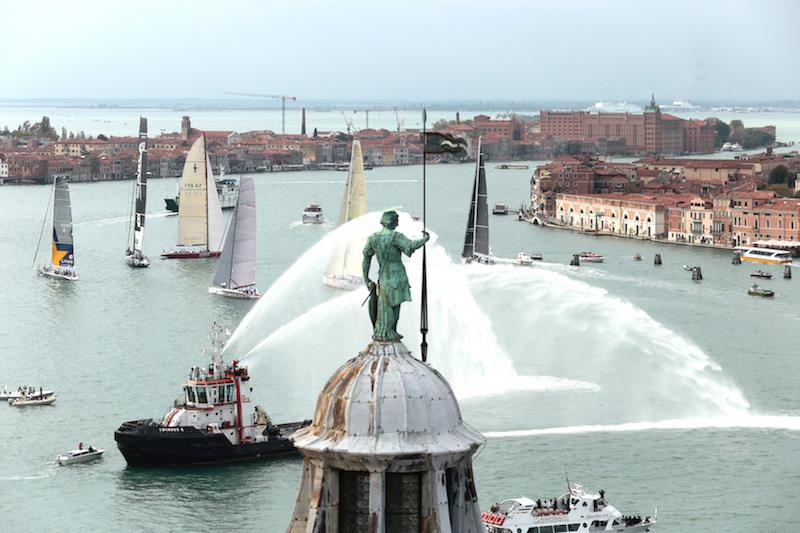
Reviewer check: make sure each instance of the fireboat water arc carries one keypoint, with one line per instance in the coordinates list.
(213, 423)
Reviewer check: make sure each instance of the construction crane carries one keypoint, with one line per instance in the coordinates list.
(280, 97)
(348, 122)
(367, 112)
(397, 118)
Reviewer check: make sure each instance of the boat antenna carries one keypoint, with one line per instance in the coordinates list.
(569, 487)
(423, 314)
(44, 221)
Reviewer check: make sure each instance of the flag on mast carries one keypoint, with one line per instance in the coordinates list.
(443, 143)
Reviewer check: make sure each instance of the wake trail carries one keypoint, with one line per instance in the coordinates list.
(754, 421)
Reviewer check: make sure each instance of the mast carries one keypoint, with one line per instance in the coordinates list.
(44, 221)
(205, 157)
(141, 189)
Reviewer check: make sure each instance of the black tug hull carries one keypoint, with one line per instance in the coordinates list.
(144, 443)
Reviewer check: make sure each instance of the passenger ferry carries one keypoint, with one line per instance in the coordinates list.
(576, 510)
(213, 422)
(312, 214)
(763, 255)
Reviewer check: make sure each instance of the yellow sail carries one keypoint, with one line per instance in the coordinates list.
(193, 211)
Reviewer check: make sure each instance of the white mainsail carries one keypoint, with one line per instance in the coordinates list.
(200, 221)
(193, 212)
(344, 270)
(237, 265)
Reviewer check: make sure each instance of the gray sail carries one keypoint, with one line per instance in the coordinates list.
(141, 188)
(63, 253)
(237, 264)
(476, 238)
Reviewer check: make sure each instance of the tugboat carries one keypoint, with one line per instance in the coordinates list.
(312, 214)
(591, 257)
(577, 510)
(761, 274)
(212, 423)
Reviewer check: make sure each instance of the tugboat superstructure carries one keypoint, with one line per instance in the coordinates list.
(214, 422)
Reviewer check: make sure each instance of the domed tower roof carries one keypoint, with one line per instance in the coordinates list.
(384, 403)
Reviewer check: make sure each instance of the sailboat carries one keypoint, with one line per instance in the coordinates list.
(344, 271)
(134, 255)
(62, 257)
(236, 272)
(200, 223)
(476, 238)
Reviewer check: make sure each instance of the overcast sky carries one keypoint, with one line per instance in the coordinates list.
(404, 50)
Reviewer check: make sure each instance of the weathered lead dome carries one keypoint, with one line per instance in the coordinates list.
(386, 402)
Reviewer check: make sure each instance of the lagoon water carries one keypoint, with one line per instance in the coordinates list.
(627, 376)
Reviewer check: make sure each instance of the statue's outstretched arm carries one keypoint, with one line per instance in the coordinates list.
(408, 246)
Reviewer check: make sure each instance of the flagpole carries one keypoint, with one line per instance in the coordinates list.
(423, 314)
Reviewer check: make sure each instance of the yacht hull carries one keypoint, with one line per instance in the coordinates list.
(346, 283)
(143, 443)
(234, 293)
(202, 254)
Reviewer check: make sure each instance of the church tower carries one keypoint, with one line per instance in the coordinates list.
(387, 451)
(652, 127)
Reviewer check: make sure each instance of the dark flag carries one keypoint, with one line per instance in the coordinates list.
(442, 143)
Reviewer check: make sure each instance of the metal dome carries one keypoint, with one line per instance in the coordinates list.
(384, 402)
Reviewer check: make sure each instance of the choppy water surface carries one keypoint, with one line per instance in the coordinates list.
(628, 376)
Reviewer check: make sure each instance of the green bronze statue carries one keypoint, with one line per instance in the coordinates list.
(392, 288)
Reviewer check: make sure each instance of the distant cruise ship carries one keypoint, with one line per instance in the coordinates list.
(615, 107)
(680, 105)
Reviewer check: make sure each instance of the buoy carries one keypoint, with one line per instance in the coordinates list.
(787, 272)
(697, 274)
(575, 261)
(657, 260)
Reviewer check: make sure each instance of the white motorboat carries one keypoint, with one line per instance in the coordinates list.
(32, 400)
(577, 510)
(81, 455)
(312, 214)
(591, 257)
(21, 392)
(346, 282)
(523, 259)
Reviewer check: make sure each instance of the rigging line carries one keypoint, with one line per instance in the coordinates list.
(44, 222)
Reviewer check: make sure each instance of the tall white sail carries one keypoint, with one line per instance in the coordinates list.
(216, 223)
(354, 199)
(237, 265)
(194, 205)
(344, 270)
(140, 189)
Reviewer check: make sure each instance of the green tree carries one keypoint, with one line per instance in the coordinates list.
(102, 137)
(737, 125)
(779, 174)
(723, 131)
(63, 132)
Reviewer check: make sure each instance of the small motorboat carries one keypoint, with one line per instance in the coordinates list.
(21, 392)
(761, 274)
(688, 268)
(80, 455)
(637, 257)
(312, 214)
(33, 399)
(523, 259)
(591, 257)
(500, 209)
(755, 290)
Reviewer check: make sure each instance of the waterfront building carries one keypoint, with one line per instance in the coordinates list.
(692, 221)
(651, 132)
(630, 215)
(761, 215)
(723, 171)
(3, 167)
